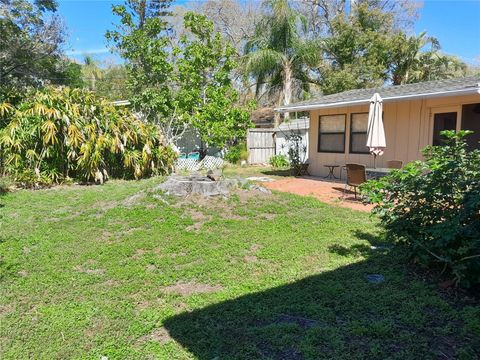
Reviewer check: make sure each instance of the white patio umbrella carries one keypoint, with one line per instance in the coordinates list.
(376, 142)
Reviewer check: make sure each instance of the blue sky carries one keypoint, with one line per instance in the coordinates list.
(455, 23)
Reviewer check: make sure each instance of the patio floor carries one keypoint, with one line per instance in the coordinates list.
(326, 191)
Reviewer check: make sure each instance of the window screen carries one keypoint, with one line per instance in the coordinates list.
(331, 133)
(358, 133)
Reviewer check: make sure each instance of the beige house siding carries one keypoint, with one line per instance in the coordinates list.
(408, 129)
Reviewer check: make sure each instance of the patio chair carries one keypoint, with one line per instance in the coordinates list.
(356, 176)
(394, 164)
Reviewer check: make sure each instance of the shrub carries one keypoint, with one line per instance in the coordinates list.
(59, 133)
(279, 161)
(433, 207)
(236, 153)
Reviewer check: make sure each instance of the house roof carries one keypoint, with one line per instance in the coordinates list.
(294, 124)
(428, 89)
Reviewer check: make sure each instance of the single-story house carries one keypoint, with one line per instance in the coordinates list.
(413, 116)
(298, 127)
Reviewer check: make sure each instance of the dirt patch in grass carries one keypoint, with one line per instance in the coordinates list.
(88, 268)
(23, 273)
(175, 255)
(138, 254)
(188, 265)
(134, 199)
(255, 247)
(199, 218)
(159, 335)
(250, 258)
(106, 235)
(151, 268)
(190, 288)
(105, 205)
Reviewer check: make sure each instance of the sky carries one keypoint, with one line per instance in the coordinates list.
(455, 23)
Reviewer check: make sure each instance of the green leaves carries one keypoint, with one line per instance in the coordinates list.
(60, 133)
(433, 207)
(177, 85)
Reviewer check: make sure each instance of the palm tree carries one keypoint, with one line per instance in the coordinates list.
(91, 70)
(418, 58)
(279, 54)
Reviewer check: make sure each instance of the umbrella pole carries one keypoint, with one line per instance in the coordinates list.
(374, 161)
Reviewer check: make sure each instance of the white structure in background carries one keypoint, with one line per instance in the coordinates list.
(299, 127)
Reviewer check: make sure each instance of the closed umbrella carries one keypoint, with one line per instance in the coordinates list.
(376, 142)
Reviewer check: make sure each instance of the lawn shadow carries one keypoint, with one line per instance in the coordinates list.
(337, 314)
(278, 172)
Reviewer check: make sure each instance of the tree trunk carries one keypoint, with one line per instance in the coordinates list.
(287, 86)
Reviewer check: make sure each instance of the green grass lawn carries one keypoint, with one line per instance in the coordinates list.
(123, 272)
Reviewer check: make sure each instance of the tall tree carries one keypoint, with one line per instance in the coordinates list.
(418, 58)
(30, 42)
(184, 83)
(356, 53)
(322, 13)
(91, 71)
(142, 40)
(279, 53)
(366, 49)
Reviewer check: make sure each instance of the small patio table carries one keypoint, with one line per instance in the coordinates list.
(331, 168)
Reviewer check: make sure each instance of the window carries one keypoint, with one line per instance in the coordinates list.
(358, 133)
(441, 122)
(331, 133)
(471, 121)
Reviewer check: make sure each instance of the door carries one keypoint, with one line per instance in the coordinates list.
(443, 121)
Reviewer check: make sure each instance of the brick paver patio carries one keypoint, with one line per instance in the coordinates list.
(326, 191)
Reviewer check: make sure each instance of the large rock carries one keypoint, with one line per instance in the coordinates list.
(194, 184)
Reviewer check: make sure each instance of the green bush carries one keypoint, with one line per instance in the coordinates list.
(57, 134)
(236, 153)
(433, 207)
(279, 161)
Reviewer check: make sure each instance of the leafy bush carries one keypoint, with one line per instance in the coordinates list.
(279, 161)
(59, 133)
(236, 153)
(433, 207)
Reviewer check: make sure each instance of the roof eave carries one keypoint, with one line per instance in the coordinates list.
(469, 91)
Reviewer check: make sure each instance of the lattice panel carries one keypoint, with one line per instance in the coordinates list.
(208, 163)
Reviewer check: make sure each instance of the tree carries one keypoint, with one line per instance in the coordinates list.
(321, 14)
(279, 53)
(356, 55)
(30, 45)
(177, 85)
(366, 50)
(206, 95)
(235, 20)
(113, 84)
(142, 40)
(91, 71)
(418, 58)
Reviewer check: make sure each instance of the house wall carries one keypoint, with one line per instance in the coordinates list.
(282, 144)
(408, 129)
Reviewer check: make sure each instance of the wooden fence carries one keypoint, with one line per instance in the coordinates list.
(261, 145)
